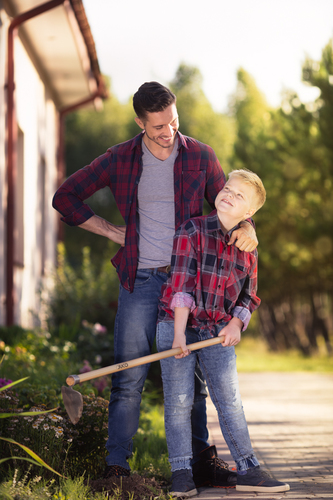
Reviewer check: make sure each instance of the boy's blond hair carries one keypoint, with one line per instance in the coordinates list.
(253, 180)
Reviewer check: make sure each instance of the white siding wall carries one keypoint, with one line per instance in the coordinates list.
(37, 121)
(3, 192)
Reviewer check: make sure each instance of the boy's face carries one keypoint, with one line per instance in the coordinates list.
(236, 200)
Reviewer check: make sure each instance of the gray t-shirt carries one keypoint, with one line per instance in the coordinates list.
(156, 209)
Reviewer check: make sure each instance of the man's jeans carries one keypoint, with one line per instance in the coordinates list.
(218, 365)
(134, 334)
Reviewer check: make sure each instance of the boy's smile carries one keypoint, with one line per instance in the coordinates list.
(234, 202)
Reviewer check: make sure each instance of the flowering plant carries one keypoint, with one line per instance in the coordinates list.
(63, 446)
(4, 382)
(36, 460)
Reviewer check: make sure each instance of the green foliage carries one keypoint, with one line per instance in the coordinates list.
(10, 415)
(150, 454)
(320, 74)
(71, 450)
(45, 360)
(75, 489)
(75, 450)
(89, 135)
(266, 360)
(196, 116)
(20, 487)
(82, 300)
(286, 149)
(11, 334)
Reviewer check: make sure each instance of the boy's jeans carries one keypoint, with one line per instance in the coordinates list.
(218, 365)
(134, 334)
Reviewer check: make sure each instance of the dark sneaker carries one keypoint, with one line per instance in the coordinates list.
(212, 471)
(115, 471)
(258, 480)
(183, 484)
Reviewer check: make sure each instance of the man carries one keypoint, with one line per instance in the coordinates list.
(159, 179)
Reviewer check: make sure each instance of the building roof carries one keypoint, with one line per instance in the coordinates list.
(61, 45)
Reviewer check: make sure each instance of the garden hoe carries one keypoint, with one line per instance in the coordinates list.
(73, 400)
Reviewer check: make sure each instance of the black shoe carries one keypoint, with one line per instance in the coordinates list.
(115, 471)
(256, 479)
(212, 471)
(182, 484)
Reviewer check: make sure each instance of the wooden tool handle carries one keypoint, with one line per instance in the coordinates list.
(83, 377)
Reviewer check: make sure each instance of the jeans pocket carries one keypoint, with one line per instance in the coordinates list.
(164, 335)
(142, 277)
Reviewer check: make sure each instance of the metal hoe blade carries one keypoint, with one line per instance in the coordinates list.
(73, 402)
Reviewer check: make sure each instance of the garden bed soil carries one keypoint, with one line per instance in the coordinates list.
(138, 486)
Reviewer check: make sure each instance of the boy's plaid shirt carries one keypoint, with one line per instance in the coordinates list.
(197, 175)
(221, 279)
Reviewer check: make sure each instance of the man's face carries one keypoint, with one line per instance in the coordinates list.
(161, 127)
(236, 200)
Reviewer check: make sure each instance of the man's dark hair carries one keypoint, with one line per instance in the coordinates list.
(152, 97)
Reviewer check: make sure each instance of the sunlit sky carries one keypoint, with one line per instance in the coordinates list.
(139, 41)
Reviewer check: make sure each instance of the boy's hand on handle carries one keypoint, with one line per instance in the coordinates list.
(231, 332)
(180, 341)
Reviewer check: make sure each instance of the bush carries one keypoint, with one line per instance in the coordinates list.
(83, 294)
(45, 360)
(76, 450)
(70, 450)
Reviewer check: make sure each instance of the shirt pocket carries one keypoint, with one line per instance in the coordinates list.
(194, 182)
(236, 281)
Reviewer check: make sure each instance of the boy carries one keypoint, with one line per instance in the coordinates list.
(211, 292)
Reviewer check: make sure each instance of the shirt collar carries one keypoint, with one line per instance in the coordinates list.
(181, 140)
(136, 141)
(213, 224)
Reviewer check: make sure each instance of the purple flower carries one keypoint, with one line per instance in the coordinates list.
(100, 384)
(4, 381)
(99, 329)
(86, 367)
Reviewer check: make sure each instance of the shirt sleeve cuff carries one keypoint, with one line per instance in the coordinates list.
(79, 216)
(243, 314)
(182, 299)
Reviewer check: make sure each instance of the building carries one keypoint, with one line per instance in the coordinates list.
(48, 67)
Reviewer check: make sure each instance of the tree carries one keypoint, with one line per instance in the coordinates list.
(196, 116)
(88, 135)
(320, 74)
(283, 146)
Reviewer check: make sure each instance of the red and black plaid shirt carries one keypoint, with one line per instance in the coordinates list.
(221, 279)
(197, 175)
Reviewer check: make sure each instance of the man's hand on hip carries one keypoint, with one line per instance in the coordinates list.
(102, 227)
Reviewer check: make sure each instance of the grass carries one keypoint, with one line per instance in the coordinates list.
(254, 356)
